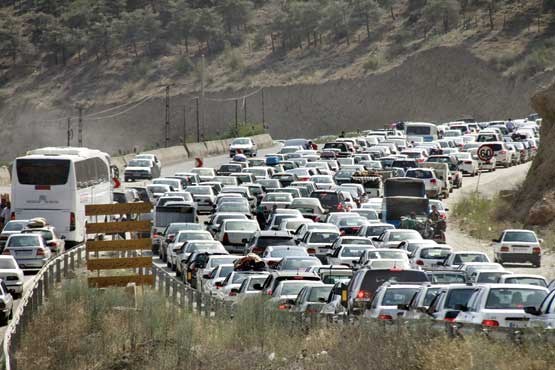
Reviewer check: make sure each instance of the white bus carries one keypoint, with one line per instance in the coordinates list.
(427, 131)
(56, 183)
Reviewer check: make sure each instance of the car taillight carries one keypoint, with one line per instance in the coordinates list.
(449, 319)
(443, 216)
(490, 323)
(284, 306)
(467, 162)
(232, 294)
(342, 233)
(420, 262)
(536, 250)
(311, 251)
(340, 207)
(40, 252)
(504, 249)
(503, 152)
(257, 250)
(6, 252)
(72, 221)
(433, 181)
(42, 187)
(363, 295)
(385, 317)
(171, 237)
(269, 292)
(12, 217)
(226, 238)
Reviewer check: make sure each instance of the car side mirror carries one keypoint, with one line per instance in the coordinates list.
(375, 239)
(540, 240)
(531, 310)
(235, 290)
(63, 237)
(206, 223)
(206, 276)
(219, 284)
(441, 263)
(495, 240)
(322, 300)
(244, 241)
(403, 307)
(257, 286)
(461, 307)
(290, 302)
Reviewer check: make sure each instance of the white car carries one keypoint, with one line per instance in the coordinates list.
(517, 246)
(457, 258)
(286, 292)
(495, 306)
(227, 290)
(391, 238)
(379, 254)
(204, 173)
(543, 316)
(247, 287)
(214, 280)
(323, 182)
(432, 183)
(467, 163)
(12, 275)
(527, 279)
(388, 297)
(318, 242)
(175, 248)
(243, 145)
(204, 197)
(29, 250)
(139, 169)
(234, 234)
(174, 184)
(347, 254)
(213, 262)
(428, 256)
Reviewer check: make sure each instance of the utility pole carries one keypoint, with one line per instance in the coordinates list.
(69, 132)
(80, 127)
(245, 110)
(202, 82)
(167, 138)
(185, 123)
(236, 115)
(263, 117)
(198, 119)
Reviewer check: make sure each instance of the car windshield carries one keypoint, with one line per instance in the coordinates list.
(157, 189)
(193, 236)
(291, 288)
(458, 297)
(321, 179)
(526, 280)
(323, 237)
(46, 234)
(397, 296)
(367, 214)
(255, 281)
(234, 207)
(352, 221)
(349, 241)
(238, 278)
(376, 230)
(386, 254)
(289, 252)
(434, 253)
(241, 226)
(216, 261)
(430, 294)
(404, 235)
(489, 277)
(225, 270)
(138, 163)
(221, 218)
(514, 298)
(7, 264)
(298, 263)
(461, 258)
(199, 190)
(278, 197)
(520, 236)
(319, 293)
(24, 241)
(15, 226)
(352, 252)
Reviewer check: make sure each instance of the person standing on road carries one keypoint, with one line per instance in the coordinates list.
(435, 216)
(510, 125)
(5, 214)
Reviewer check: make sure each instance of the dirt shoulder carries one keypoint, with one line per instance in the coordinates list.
(490, 184)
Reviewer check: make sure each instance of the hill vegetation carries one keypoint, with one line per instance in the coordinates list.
(90, 48)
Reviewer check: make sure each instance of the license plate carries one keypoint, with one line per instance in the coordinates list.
(520, 249)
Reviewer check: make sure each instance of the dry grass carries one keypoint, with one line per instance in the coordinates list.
(90, 329)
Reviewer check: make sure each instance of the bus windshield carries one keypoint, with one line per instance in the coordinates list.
(42, 171)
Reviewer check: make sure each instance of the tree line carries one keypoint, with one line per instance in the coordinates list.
(61, 29)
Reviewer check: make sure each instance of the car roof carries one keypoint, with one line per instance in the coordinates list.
(517, 286)
(274, 233)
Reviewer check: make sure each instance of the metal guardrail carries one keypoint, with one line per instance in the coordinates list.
(188, 298)
(34, 297)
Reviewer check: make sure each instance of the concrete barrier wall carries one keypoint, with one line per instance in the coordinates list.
(171, 155)
(5, 177)
(196, 150)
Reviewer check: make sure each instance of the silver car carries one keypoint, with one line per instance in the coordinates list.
(29, 250)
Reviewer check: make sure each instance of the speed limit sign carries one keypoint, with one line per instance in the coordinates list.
(485, 152)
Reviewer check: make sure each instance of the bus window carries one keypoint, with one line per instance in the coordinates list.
(42, 171)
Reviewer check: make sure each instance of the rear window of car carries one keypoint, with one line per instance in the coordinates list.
(467, 257)
(267, 241)
(376, 230)
(318, 293)
(24, 241)
(527, 281)
(458, 297)
(434, 253)
(419, 174)
(323, 237)
(14, 226)
(373, 279)
(450, 278)
(513, 298)
(396, 296)
(520, 236)
(352, 252)
(327, 199)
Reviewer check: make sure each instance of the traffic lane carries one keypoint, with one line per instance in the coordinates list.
(489, 185)
(210, 162)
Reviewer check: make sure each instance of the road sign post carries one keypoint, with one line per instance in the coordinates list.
(485, 154)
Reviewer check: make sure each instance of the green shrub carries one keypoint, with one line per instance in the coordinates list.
(372, 63)
(233, 59)
(184, 65)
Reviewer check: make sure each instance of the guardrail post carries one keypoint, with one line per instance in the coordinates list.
(40, 286)
(208, 305)
(167, 285)
(72, 260)
(198, 300)
(190, 301)
(58, 271)
(79, 256)
(46, 279)
(66, 263)
(216, 304)
(174, 291)
(182, 300)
